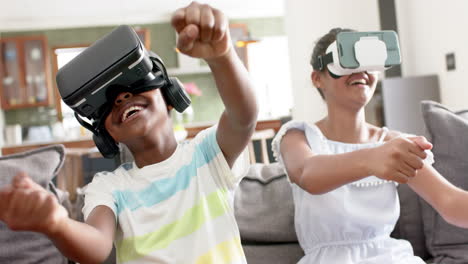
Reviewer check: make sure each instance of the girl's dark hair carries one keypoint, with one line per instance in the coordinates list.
(321, 47)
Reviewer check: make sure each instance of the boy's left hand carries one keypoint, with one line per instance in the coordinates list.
(203, 31)
(26, 206)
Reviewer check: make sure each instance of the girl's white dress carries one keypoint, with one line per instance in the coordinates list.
(351, 224)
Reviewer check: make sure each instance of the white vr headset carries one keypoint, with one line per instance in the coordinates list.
(360, 52)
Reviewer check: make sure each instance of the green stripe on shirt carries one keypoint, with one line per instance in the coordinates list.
(208, 207)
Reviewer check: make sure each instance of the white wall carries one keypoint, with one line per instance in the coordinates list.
(18, 15)
(308, 20)
(428, 30)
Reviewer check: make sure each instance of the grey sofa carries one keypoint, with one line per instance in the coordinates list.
(264, 204)
(264, 211)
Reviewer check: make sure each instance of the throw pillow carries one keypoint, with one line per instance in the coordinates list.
(29, 247)
(448, 132)
(264, 206)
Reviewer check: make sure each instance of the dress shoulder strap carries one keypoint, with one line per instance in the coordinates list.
(384, 134)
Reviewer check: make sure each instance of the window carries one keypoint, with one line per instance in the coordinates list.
(269, 68)
(70, 124)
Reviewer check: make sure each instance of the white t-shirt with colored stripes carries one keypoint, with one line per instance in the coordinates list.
(176, 211)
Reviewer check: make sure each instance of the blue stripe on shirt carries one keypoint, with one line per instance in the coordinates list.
(163, 189)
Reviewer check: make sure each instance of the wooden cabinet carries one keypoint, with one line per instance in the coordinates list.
(24, 72)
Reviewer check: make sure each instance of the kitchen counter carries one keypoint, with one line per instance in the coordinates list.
(83, 143)
(87, 142)
(274, 124)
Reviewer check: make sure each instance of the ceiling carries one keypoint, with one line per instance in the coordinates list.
(18, 15)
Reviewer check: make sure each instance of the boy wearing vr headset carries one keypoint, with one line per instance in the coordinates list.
(349, 169)
(173, 204)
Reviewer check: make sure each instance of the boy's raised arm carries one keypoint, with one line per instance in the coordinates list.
(204, 33)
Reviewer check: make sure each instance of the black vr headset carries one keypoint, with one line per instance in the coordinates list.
(116, 63)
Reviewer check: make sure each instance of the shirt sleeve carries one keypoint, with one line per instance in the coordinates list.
(225, 176)
(99, 192)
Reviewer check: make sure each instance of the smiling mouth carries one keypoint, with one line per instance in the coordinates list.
(131, 111)
(359, 82)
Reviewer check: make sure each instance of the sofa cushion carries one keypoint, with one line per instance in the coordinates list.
(273, 253)
(263, 205)
(448, 132)
(410, 223)
(29, 247)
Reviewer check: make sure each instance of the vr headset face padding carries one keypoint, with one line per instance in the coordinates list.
(106, 144)
(175, 95)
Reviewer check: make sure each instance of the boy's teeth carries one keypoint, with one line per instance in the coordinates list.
(129, 110)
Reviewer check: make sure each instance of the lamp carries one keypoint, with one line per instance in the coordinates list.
(245, 40)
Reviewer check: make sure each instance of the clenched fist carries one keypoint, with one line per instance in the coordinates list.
(203, 31)
(398, 159)
(26, 206)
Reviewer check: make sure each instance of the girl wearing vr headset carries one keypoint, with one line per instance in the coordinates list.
(344, 173)
(172, 205)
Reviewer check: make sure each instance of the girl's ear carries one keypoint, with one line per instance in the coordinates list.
(316, 78)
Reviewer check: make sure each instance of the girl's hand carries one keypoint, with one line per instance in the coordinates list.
(203, 31)
(421, 142)
(398, 159)
(26, 206)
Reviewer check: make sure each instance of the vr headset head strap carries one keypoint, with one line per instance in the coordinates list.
(159, 64)
(90, 127)
(173, 91)
(103, 141)
(322, 61)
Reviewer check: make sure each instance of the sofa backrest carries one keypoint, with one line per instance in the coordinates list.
(432, 238)
(448, 132)
(264, 210)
